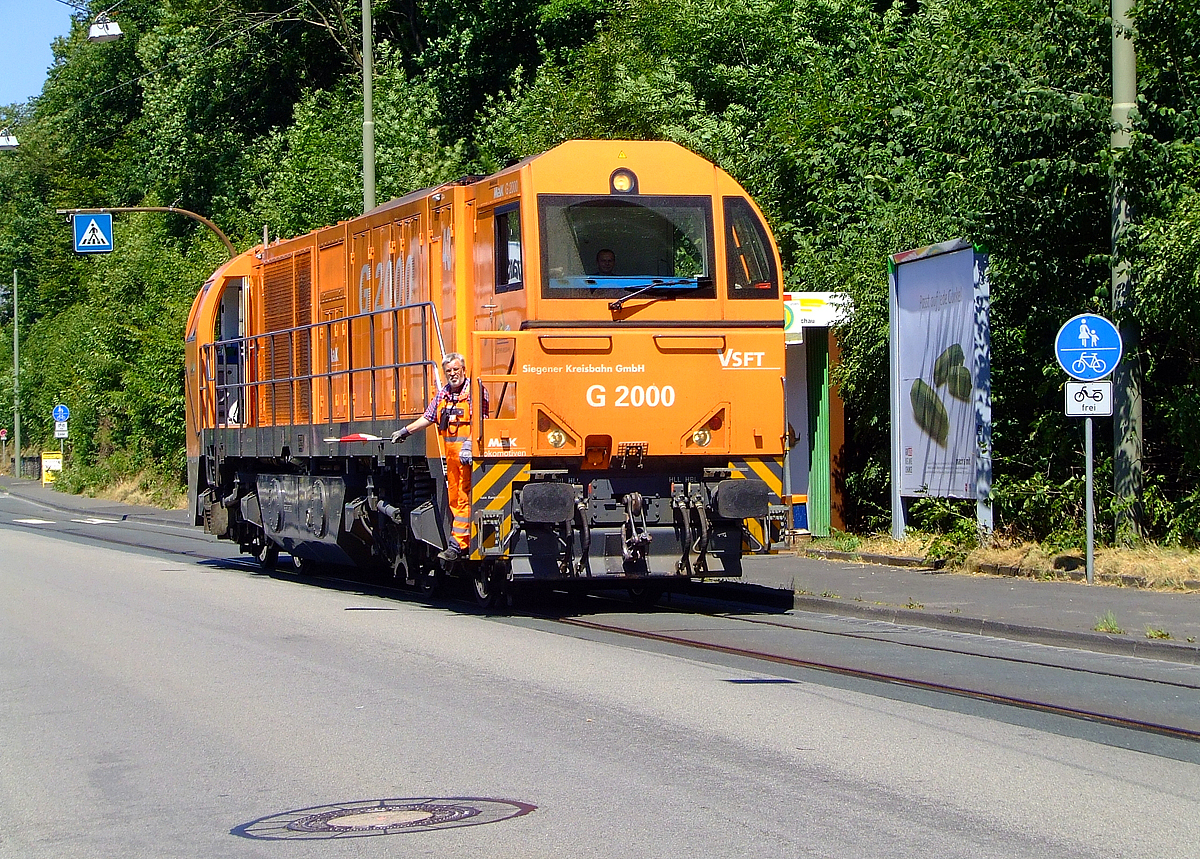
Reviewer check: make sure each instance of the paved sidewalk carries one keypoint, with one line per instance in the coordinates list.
(32, 490)
(1050, 612)
(1063, 613)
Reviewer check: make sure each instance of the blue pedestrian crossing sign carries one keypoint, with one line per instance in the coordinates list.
(1088, 347)
(93, 233)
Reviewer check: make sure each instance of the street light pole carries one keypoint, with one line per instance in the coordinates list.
(16, 385)
(1128, 479)
(368, 113)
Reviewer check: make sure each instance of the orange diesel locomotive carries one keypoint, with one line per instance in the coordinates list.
(620, 308)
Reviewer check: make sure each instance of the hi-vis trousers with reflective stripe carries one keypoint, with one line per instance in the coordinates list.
(458, 488)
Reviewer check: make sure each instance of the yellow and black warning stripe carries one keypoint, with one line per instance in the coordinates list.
(491, 500)
(769, 470)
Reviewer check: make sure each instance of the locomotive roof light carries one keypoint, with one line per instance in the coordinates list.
(104, 29)
(623, 181)
(7, 141)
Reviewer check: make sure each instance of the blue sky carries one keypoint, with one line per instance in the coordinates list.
(27, 27)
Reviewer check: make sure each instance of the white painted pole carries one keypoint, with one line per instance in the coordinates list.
(368, 112)
(899, 525)
(16, 384)
(1128, 477)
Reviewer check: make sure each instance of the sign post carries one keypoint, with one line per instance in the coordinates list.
(61, 415)
(1088, 348)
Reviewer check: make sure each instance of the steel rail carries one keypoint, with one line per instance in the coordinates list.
(857, 636)
(881, 677)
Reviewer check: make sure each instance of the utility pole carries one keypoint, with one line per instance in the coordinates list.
(368, 113)
(16, 385)
(1128, 479)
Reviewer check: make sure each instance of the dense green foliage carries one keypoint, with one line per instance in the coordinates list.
(863, 129)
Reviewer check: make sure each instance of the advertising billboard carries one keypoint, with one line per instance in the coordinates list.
(940, 369)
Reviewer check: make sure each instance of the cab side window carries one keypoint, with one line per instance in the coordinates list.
(510, 274)
(750, 262)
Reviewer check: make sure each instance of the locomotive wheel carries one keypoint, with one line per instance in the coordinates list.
(303, 566)
(488, 585)
(430, 581)
(267, 554)
(391, 547)
(427, 575)
(430, 578)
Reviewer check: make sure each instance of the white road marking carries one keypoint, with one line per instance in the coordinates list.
(35, 521)
(98, 521)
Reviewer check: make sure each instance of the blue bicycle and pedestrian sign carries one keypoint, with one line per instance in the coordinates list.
(1088, 347)
(61, 413)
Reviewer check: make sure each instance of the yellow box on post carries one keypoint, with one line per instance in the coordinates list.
(52, 462)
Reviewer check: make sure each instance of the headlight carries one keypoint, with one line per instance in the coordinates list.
(702, 437)
(623, 181)
(556, 438)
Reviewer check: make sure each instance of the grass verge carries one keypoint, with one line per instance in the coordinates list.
(1149, 566)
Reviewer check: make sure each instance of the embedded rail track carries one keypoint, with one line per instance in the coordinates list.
(908, 679)
(1158, 698)
(1122, 692)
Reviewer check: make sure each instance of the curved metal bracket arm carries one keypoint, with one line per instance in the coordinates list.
(168, 209)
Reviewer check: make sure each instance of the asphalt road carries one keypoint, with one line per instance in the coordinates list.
(154, 703)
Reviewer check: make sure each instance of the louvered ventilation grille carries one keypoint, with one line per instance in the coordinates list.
(279, 308)
(303, 366)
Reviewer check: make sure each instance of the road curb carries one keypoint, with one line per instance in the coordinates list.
(871, 558)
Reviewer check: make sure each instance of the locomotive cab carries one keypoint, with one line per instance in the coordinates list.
(634, 362)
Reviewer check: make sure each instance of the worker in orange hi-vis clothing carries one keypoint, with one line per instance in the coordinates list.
(450, 411)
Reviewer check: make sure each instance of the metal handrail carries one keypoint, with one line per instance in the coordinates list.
(242, 390)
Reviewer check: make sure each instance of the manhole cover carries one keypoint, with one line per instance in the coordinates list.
(381, 817)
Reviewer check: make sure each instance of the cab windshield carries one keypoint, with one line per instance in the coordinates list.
(606, 246)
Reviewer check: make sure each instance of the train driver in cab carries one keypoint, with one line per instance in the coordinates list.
(450, 411)
(606, 261)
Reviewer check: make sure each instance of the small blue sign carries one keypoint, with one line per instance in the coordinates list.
(61, 413)
(93, 233)
(1088, 347)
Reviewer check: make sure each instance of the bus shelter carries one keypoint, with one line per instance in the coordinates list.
(816, 422)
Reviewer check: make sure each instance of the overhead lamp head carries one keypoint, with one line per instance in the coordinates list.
(104, 30)
(7, 141)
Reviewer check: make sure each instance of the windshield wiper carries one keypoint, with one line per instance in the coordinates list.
(693, 282)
